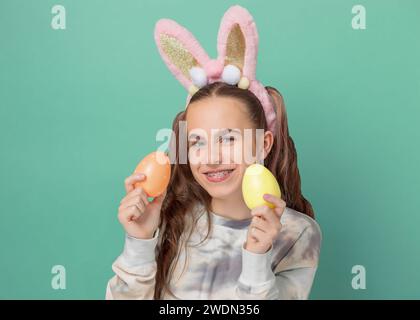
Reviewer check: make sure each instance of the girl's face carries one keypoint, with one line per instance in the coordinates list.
(220, 139)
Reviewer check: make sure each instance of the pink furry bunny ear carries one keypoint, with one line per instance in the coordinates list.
(182, 53)
(237, 46)
(237, 42)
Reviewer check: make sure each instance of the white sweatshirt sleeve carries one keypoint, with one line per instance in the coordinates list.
(135, 270)
(291, 278)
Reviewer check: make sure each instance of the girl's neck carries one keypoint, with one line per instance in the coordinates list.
(233, 207)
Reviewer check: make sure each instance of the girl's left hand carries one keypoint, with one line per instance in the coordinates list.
(265, 225)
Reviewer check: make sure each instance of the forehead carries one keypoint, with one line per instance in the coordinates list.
(217, 113)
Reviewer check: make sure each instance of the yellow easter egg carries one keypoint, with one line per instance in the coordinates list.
(257, 181)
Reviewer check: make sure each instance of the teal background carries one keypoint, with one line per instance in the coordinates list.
(80, 107)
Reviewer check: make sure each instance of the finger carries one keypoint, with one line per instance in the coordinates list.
(266, 213)
(251, 237)
(139, 191)
(140, 208)
(131, 180)
(279, 203)
(129, 214)
(261, 236)
(133, 193)
(261, 224)
(271, 230)
(136, 200)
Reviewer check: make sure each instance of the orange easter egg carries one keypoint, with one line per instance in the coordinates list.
(157, 168)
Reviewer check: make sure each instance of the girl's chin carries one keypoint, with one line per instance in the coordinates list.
(221, 189)
(219, 193)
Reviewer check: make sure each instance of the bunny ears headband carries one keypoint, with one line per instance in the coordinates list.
(237, 46)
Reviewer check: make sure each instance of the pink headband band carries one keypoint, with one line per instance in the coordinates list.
(237, 46)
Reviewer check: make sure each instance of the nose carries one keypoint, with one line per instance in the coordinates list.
(215, 154)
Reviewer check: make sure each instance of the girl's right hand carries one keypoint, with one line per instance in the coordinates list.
(139, 217)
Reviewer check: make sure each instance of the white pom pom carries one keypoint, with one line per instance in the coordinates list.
(198, 76)
(231, 74)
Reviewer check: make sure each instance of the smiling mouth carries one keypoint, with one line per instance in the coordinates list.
(218, 176)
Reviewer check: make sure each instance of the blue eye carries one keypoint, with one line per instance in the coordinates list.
(198, 144)
(227, 139)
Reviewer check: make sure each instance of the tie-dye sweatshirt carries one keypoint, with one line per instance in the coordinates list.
(220, 267)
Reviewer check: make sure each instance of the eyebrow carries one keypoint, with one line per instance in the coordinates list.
(221, 132)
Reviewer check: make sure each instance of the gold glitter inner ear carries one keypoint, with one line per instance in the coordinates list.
(235, 48)
(178, 54)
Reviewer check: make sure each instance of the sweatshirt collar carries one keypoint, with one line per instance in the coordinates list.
(230, 223)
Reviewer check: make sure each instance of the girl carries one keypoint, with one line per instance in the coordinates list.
(199, 240)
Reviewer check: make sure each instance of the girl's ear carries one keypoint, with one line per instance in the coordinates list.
(264, 144)
(237, 41)
(180, 50)
(268, 142)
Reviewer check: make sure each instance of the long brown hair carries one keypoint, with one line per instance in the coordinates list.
(184, 191)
